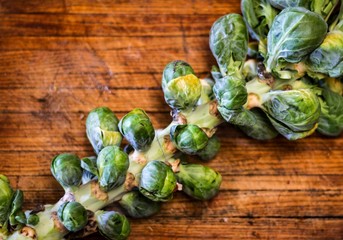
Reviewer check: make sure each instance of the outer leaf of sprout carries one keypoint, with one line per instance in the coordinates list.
(229, 43)
(6, 195)
(66, 168)
(138, 206)
(295, 33)
(181, 88)
(102, 129)
(211, 149)
(137, 128)
(259, 16)
(17, 217)
(73, 216)
(90, 171)
(199, 182)
(261, 128)
(188, 138)
(281, 4)
(157, 181)
(331, 117)
(113, 225)
(112, 164)
(328, 57)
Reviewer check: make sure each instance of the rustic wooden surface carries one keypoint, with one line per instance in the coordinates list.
(61, 58)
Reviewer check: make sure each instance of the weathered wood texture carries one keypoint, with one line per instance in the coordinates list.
(59, 59)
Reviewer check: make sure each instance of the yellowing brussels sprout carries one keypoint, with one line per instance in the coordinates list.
(137, 128)
(102, 129)
(66, 168)
(113, 225)
(181, 88)
(112, 164)
(188, 138)
(158, 181)
(73, 216)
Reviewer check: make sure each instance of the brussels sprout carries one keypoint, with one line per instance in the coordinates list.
(181, 87)
(293, 113)
(328, 57)
(157, 181)
(102, 129)
(17, 217)
(137, 128)
(90, 171)
(66, 168)
(199, 182)
(188, 138)
(259, 16)
(113, 225)
(331, 116)
(112, 164)
(260, 127)
(206, 91)
(138, 206)
(281, 4)
(295, 33)
(32, 219)
(229, 43)
(73, 216)
(211, 149)
(6, 195)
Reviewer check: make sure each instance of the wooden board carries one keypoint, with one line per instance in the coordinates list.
(59, 59)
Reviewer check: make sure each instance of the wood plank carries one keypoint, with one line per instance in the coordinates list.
(32, 6)
(236, 228)
(112, 25)
(152, 7)
(243, 203)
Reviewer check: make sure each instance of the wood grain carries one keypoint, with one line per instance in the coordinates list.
(59, 59)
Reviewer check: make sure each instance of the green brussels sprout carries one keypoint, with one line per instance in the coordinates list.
(102, 129)
(180, 86)
(6, 195)
(66, 168)
(17, 218)
(188, 138)
(137, 128)
(158, 181)
(328, 57)
(138, 206)
(32, 219)
(331, 116)
(90, 171)
(73, 216)
(295, 33)
(211, 149)
(112, 165)
(113, 225)
(259, 16)
(229, 43)
(198, 181)
(293, 113)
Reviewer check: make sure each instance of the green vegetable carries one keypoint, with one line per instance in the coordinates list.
(90, 171)
(112, 165)
(66, 168)
(281, 4)
(181, 88)
(102, 129)
(259, 16)
(6, 195)
(295, 33)
(229, 43)
(73, 216)
(113, 225)
(328, 57)
(211, 149)
(138, 206)
(137, 128)
(199, 182)
(157, 181)
(17, 218)
(188, 138)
